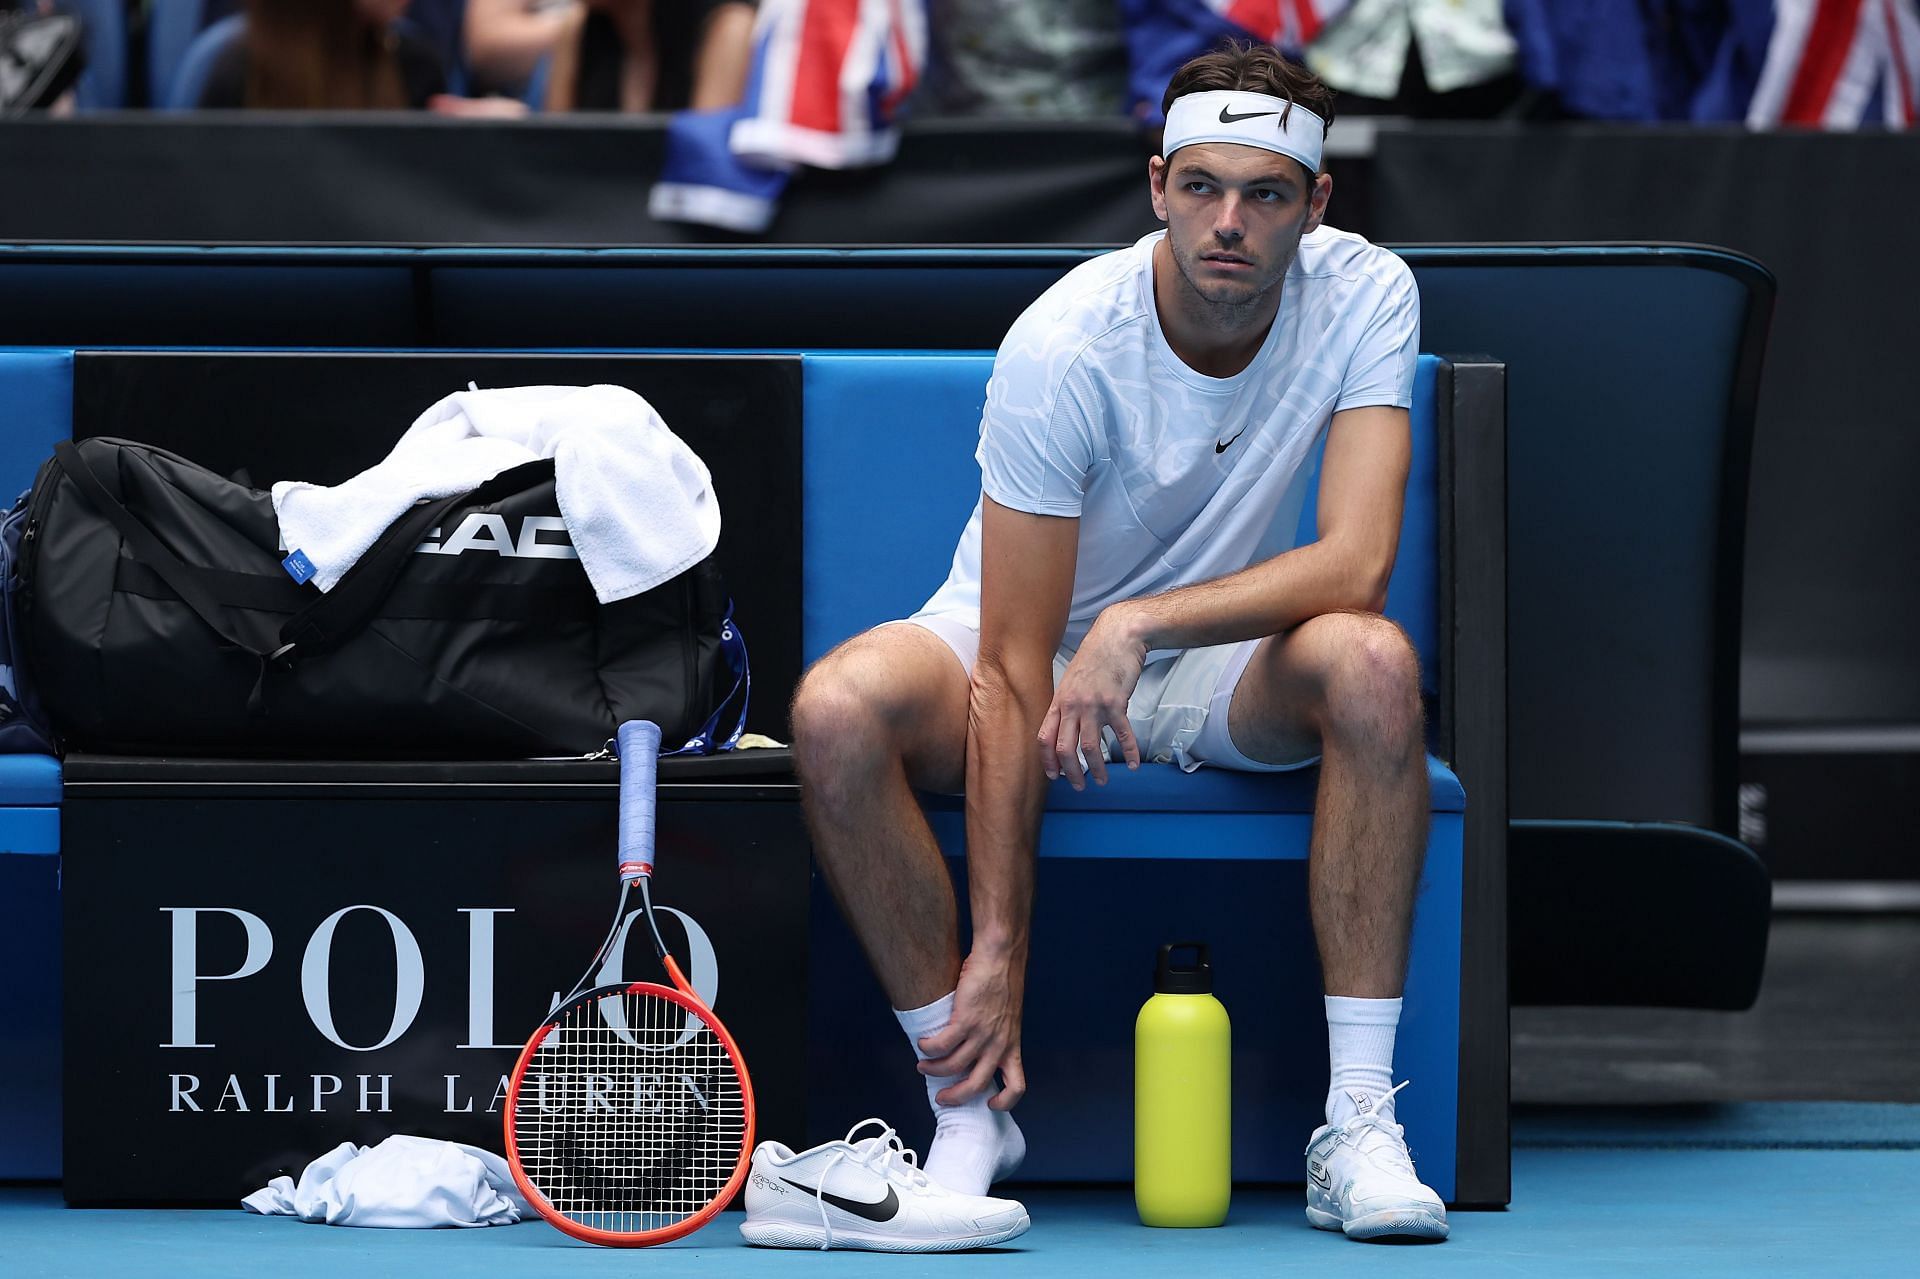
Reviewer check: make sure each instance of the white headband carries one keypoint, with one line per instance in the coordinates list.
(1248, 119)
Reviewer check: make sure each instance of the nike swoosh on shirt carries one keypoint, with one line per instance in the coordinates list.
(880, 1210)
(1221, 446)
(1229, 116)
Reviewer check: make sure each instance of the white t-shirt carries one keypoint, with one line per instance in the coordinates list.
(1177, 477)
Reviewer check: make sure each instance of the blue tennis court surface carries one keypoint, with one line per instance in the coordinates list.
(1739, 1190)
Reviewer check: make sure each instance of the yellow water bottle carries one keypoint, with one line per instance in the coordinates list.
(1182, 1116)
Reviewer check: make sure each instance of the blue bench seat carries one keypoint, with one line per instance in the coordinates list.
(29, 804)
(1149, 813)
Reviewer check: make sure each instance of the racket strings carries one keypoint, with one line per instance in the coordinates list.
(630, 1117)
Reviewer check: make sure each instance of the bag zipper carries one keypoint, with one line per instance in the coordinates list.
(38, 499)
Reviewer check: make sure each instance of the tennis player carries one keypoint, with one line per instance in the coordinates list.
(1128, 590)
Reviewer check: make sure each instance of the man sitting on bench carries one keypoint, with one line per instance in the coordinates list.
(1129, 589)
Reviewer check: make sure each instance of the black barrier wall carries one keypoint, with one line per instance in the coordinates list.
(1832, 599)
(1830, 688)
(559, 180)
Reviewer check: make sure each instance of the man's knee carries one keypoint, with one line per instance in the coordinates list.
(1372, 679)
(882, 699)
(833, 716)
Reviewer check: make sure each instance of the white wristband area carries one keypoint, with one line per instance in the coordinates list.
(1248, 119)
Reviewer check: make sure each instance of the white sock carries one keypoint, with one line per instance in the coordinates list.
(1359, 1055)
(973, 1145)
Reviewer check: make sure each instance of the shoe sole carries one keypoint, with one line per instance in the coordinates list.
(788, 1234)
(1389, 1223)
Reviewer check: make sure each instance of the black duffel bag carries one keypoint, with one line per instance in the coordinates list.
(158, 618)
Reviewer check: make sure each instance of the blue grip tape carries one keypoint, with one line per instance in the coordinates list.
(639, 743)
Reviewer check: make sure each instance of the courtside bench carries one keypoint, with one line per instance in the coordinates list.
(1152, 857)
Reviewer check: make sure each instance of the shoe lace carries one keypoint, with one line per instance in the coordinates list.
(884, 1154)
(1390, 1144)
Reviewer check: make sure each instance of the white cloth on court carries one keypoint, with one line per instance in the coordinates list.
(402, 1183)
(1178, 477)
(638, 503)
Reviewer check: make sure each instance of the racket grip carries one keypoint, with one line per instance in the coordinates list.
(639, 743)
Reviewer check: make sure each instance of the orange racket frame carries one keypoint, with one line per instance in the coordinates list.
(680, 993)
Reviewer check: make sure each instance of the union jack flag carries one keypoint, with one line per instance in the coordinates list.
(828, 80)
(825, 88)
(1831, 61)
(1163, 34)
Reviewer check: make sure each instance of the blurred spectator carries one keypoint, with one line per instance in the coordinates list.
(311, 55)
(1656, 60)
(651, 55)
(1436, 59)
(1065, 59)
(40, 58)
(506, 39)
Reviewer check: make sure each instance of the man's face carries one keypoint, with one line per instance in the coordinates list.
(1234, 216)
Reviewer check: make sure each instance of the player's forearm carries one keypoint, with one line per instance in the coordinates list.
(1267, 598)
(1005, 792)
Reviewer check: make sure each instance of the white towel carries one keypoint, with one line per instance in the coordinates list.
(639, 504)
(402, 1183)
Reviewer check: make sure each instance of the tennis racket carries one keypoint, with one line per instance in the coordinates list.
(629, 1115)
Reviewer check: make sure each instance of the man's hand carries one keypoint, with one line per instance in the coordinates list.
(984, 1035)
(488, 108)
(1091, 695)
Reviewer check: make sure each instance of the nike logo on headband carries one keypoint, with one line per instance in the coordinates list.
(1227, 115)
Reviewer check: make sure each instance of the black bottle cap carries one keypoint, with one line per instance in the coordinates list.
(1170, 978)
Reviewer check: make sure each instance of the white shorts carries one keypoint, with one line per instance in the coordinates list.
(1178, 710)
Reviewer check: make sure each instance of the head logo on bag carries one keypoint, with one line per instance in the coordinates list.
(541, 537)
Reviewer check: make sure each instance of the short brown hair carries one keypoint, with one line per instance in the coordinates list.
(1258, 68)
(309, 55)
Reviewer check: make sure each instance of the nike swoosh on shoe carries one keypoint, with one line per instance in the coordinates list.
(879, 1210)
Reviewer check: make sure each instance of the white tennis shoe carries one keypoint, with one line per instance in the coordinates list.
(1360, 1179)
(869, 1194)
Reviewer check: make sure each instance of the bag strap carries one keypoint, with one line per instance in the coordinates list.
(148, 547)
(345, 611)
(733, 647)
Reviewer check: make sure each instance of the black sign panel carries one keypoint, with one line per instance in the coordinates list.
(250, 981)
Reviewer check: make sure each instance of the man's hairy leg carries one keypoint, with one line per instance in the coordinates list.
(883, 713)
(879, 715)
(1347, 685)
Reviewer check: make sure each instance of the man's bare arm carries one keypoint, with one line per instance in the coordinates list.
(1026, 587)
(1363, 482)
